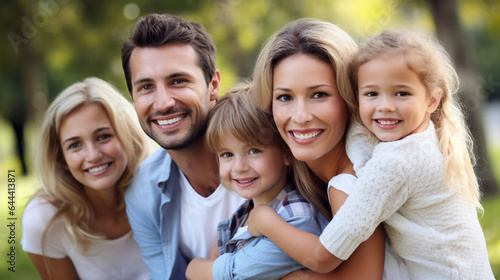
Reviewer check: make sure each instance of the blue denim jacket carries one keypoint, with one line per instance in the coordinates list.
(248, 257)
(153, 209)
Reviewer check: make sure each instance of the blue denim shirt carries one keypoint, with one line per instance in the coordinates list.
(153, 209)
(248, 257)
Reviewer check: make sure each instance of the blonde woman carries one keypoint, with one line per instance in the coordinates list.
(75, 227)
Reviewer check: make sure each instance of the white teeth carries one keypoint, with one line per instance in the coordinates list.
(170, 121)
(246, 181)
(99, 168)
(306, 136)
(387, 122)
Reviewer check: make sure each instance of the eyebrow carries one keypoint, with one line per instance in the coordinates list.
(100, 129)
(171, 76)
(309, 88)
(395, 86)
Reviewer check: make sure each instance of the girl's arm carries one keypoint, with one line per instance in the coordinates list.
(200, 268)
(54, 269)
(303, 247)
(366, 262)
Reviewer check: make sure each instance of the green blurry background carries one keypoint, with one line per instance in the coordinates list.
(49, 44)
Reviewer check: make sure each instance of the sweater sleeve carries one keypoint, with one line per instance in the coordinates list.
(359, 146)
(378, 193)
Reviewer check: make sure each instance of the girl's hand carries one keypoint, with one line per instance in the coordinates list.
(260, 219)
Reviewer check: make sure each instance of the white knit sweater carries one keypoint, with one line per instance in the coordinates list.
(429, 226)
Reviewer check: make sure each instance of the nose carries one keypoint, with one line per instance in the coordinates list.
(163, 99)
(385, 104)
(94, 154)
(301, 113)
(240, 164)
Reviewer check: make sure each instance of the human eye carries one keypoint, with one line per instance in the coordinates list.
(254, 151)
(318, 95)
(225, 155)
(284, 97)
(145, 87)
(179, 81)
(74, 145)
(402, 93)
(370, 94)
(104, 136)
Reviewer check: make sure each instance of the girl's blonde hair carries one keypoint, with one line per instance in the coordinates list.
(237, 114)
(59, 187)
(330, 44)
(425, 56)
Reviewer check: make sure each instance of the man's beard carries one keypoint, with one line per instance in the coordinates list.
(194, 134)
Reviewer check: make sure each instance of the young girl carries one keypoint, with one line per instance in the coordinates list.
(76, 227)
(301, 76)
(419, 178)
(254, 162)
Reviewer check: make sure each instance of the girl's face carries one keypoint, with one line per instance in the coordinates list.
(91, 149)
(309, 112)
(257, 173)
(393, 102)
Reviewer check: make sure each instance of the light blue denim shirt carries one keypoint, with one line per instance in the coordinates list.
(248, 257)
(153, 209)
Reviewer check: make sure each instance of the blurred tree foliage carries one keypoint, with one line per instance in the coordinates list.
(50, 44)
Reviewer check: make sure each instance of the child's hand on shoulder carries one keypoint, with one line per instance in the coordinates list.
(260, 219)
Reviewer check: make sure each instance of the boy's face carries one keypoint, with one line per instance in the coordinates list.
(170, 94)
(257, 173)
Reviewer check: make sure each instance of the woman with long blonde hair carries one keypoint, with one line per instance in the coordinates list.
(75, 226)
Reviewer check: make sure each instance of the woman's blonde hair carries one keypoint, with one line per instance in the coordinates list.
(59, 187)
(425, 56)
(330, 44)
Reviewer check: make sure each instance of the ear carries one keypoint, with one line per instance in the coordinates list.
(286, 159)
(214, 86)
(434, 100)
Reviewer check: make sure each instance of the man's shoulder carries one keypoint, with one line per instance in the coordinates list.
(157, 158)
(155, 168)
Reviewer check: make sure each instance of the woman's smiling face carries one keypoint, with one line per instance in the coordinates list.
(91, 149)
(309, 112)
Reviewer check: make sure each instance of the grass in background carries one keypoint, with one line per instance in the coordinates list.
(491, 219)
(490, 223)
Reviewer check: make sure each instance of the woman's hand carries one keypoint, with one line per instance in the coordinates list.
(260, 219)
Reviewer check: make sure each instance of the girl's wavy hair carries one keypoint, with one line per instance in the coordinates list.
(59, 187)
(425, 56)
(328, 43)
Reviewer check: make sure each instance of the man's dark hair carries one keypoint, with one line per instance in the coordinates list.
(156, 30)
